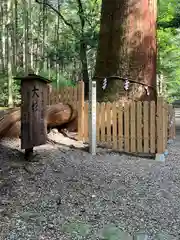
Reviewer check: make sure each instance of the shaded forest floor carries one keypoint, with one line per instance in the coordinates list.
(67, 194)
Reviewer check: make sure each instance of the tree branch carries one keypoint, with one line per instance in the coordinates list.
(81, 14)
(58, 13)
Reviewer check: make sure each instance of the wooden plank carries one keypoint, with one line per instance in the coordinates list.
(102, 126)
(75, 98)
(68, 96)
(52, 97)
(80, 109)
(61, 95)
(164, 142)
(174, 125)
(165, 109)
(76, 93)
(152, 127)
(126, 127)
(133, 127)
(98, 122)
(160, 125)
(56, 97)
(170, 121)
(86, 134)
(139, 126)
(114, 125)
(65, 95)
(120, 127)
(146, 126)
(108, 123)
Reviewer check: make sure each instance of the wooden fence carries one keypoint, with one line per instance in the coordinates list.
(171, 122)
(70, 95)
(136, 127)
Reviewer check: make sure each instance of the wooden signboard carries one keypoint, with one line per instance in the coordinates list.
(34, 91)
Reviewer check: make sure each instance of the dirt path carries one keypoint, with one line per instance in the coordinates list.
(67, 194)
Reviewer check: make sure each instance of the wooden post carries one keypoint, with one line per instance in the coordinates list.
(171, 123)
(152, 127)
(33, 112)
(80, 110)
(160, 128)
(146, 126)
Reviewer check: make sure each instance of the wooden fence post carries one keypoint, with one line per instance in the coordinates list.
(160, 129)
(171, 123)
(174, 125)
(80, 110)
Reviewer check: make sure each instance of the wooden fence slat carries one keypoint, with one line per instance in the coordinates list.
(120, 128)
(86, 132)
(114, 125)
(160, 125)
(56, 97)
(81, 120)
(52, 100)
(75, 100)
(65, 95)
(139, 127)
(102, 126)
(97, 122)
(133, 127)
(165, 109)
(164, 123)
(152, 127)
(126, 127)
(171, 123)
(174, 125)
(108, 123)
(146, 126)
(69, 95)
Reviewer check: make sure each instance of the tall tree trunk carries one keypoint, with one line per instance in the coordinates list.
(26, 37)
(10, 69)
(2, 40)
(31, 42)
(83, 48)
(83, 57)
(127, 48)
(38, 43)
(57, 39)
(9, 30)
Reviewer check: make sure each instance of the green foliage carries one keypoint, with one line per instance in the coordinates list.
(169, 14)
(54, 43)
(169, 47)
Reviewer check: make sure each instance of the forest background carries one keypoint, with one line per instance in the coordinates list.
(59, 40)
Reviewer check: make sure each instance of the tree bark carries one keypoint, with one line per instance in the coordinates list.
(127, 48)
(83, 57)
(83, 48)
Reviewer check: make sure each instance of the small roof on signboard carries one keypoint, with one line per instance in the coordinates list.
(32, 76)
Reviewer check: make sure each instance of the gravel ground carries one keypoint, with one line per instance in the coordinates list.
(67, 194)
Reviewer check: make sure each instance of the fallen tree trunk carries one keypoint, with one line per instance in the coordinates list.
(59, 115)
